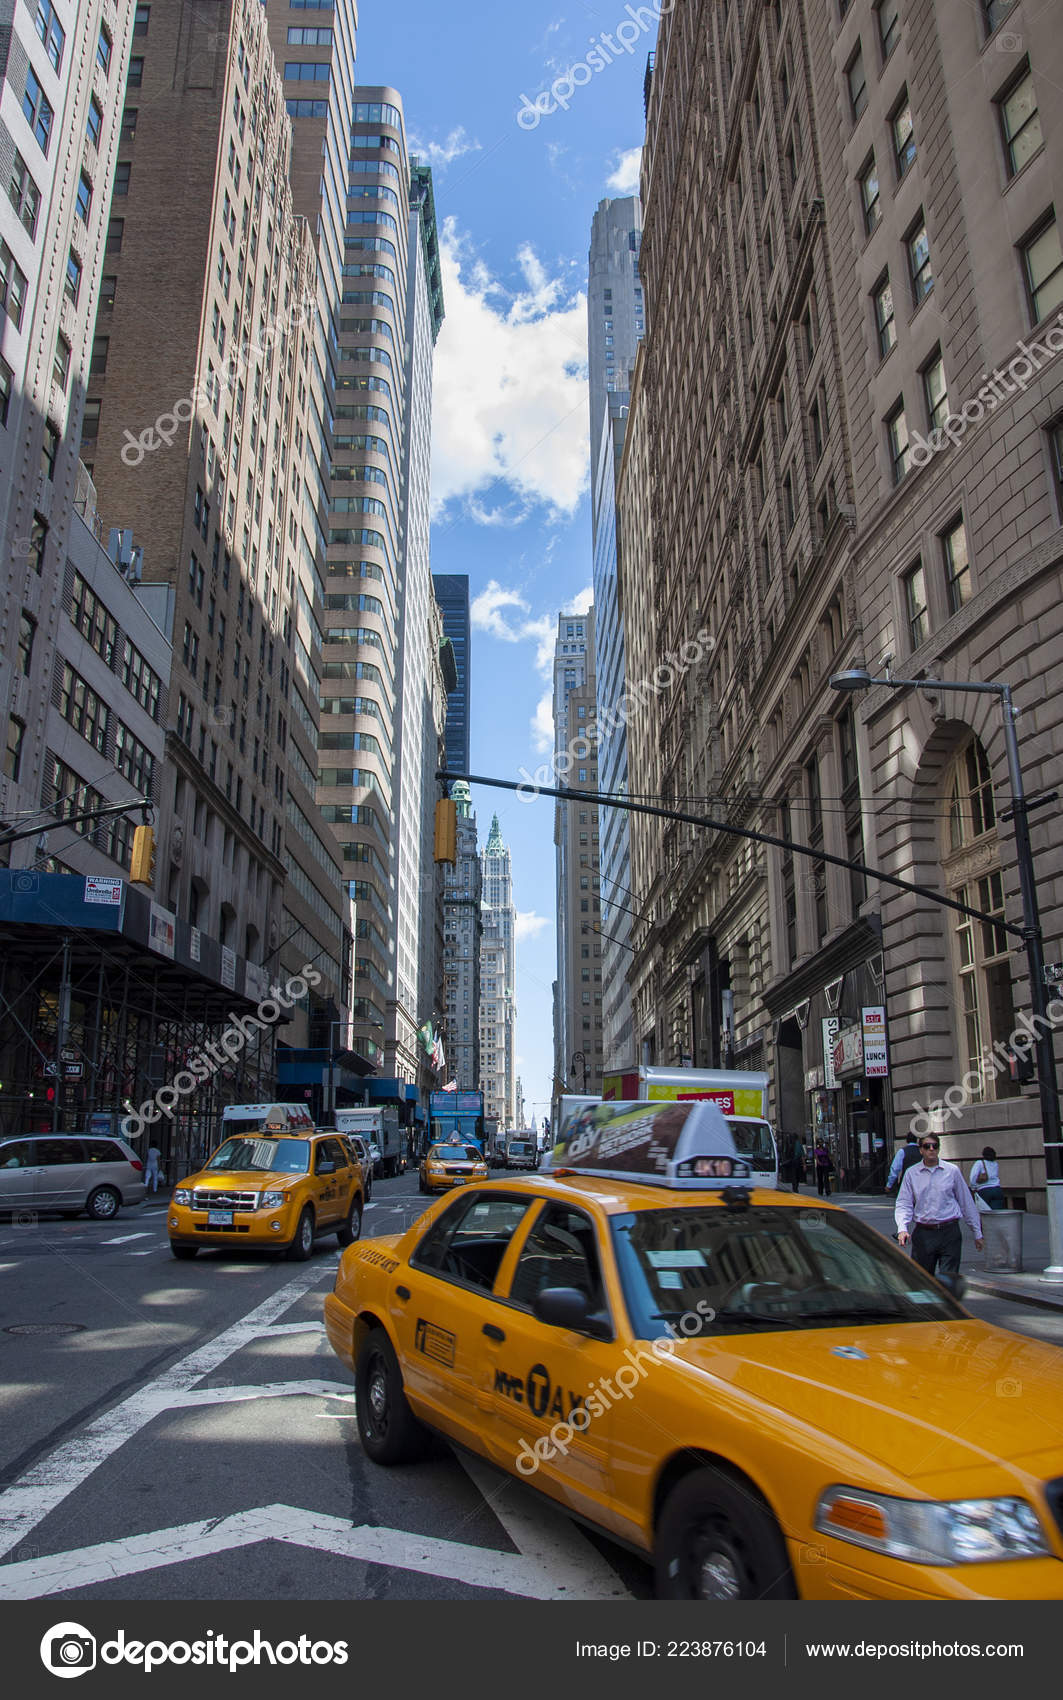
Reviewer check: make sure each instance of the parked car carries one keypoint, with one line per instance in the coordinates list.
(68, 1174)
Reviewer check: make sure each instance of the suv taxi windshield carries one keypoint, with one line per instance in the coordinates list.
(268, 1156)
(454, 1154)
(742, 1270)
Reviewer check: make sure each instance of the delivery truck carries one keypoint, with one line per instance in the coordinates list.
(379, 1126)
(742, 1095)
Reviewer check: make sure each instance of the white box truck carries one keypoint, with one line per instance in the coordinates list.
(742, 1095)
(380, 1127)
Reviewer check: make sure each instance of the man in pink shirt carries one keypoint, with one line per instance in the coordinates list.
(933, 1200)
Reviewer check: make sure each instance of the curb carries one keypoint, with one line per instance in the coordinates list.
(982, 1285)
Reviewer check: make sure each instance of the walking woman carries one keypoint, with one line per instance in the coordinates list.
(985, 1180)
(824, 1168)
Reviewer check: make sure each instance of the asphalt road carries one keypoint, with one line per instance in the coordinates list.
(183, 1431)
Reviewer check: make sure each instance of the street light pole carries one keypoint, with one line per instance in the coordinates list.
(858, 679)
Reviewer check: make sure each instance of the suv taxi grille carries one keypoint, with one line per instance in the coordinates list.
(204, 1198)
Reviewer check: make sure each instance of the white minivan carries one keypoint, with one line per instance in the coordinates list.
(67, 1173)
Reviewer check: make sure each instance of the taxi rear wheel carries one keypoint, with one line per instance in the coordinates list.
(352, 1227)
(717, 1540)
(388, 1429)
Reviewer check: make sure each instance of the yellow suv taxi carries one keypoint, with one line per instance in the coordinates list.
(270, 1191)
(763, 1395)
(446, 1166)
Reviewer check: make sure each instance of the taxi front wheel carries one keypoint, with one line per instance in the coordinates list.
(303, 1244)
(717, 1540)
(388, 1429)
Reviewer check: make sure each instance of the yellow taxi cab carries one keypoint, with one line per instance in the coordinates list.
(764, 1395)
(269, 1190)
(450, 1165)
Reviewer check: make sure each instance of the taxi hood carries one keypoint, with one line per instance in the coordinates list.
(923, 1399)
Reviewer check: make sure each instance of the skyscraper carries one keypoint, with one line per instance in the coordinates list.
(462, 934)
(63, 68)
(498, 1003)
(616, 322)
(452, 594)
(578, 1013)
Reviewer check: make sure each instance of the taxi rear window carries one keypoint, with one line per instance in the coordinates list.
(710, 1270)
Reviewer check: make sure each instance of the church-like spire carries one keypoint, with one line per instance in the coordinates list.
(495, 846)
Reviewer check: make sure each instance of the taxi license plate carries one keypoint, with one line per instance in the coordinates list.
(219, 1218)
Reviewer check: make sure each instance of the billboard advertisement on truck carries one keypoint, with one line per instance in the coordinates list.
(742, 1095)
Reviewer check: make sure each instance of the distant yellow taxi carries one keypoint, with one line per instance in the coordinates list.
(270, 1191)
(758, 1391)
(450, 1165)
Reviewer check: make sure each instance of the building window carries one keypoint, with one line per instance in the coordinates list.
(900, 452)
(72, 286)
(889, 26)
(61, 363)
(1043, 268)
(1055, 449)
(38, 112)
(957, 566)
(915, 607)
(995, 11)
(818, 424)
(919, 268)
(27, 631)
(13, 286)
(49, 449)
(94, 122)
(1020, 121)
(981, 952)
(135, 74)
(90, 421)
(789, 507)
(84, 198)
(885, 322)
(869, 196)
(935, 392)
(122, 173)
(115, 235)
(38, 543)
(24, 193)
(903, 135)
(103, 52)
(854, 73)
(128, 133)
(51, 32)
(16, 733)
(141, 17)
(108, 290)
(98, 363)
(7, 379)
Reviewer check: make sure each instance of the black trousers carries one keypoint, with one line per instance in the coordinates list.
(938, 1248)
(823, 1181)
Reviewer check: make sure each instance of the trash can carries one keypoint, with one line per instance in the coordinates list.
(1002, 1233)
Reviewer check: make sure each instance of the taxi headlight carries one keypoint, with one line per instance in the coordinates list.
(958, 1531)
(271, 1200)
(182, 1195)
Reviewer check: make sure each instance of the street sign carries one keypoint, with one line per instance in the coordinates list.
(873, 1022)
(69, 1054)
(51, 1068)
(73, 1070)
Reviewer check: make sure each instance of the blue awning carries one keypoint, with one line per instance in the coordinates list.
(388, 1088)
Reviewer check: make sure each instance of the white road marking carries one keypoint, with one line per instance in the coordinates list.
(48, 1482)
(545, 1535)
(525, 1576)
(123, 1239)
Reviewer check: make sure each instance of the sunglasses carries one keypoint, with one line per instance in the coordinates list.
(928, 1145)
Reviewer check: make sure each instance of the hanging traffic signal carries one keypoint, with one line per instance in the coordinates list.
(446, 836)
(142, 867)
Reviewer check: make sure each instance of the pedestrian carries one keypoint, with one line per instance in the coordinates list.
(985, 1180)
(934, 1199)
(904, 1157)
(151, 1173)
(797, 1161)
(824, 1168)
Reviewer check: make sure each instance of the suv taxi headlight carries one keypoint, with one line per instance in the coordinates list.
(958, 1531)
(182, 1195)
(271, 1200)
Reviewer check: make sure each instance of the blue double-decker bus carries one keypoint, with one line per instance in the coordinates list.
(457, 1117)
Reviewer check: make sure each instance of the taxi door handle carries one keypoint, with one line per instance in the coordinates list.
(402, 1292)
(492, 1332)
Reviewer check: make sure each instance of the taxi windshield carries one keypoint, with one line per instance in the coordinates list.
(454, 1154)
(269, 1156)
(708, 1270)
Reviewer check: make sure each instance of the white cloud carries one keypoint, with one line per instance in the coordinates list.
(485, 612)
(510, 413)
(582, 602)
(528, 923)
(543, 723)
(441, 154)
(492, 612)
(624, 178)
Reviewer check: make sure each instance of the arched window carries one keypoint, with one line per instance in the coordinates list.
(985, 1011)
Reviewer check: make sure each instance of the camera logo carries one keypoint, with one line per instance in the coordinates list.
(68, 1650)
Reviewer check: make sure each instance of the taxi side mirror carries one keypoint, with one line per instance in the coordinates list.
(568, 1307)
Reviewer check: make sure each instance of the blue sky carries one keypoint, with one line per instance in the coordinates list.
(510, 472)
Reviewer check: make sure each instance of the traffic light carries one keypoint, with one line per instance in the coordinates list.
(142, 868)
(446, 839)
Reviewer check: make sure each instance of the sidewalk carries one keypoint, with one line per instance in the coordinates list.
(877, 1211)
